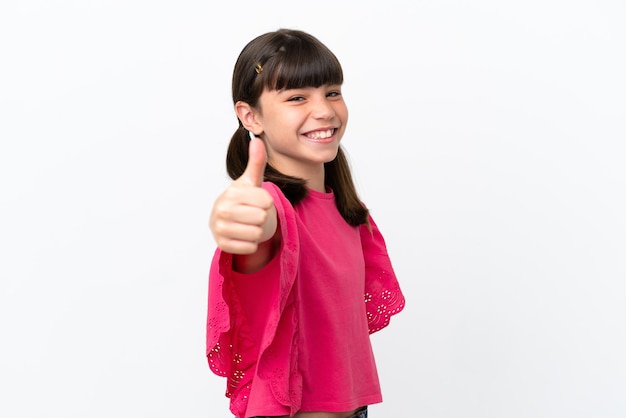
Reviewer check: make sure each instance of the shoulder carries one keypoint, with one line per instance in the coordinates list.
(274, 191)
(372, 239)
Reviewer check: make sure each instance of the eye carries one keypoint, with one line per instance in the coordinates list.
(296, 99)
(333, 93)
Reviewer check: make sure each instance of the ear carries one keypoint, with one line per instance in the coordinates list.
(247, 116)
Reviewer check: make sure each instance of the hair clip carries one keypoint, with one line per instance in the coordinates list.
(257, 67)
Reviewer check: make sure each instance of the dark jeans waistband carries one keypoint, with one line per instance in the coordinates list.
(362, 413)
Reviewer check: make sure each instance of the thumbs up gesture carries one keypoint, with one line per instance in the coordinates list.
(244, 215)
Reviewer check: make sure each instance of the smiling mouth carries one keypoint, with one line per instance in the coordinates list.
(321, 135)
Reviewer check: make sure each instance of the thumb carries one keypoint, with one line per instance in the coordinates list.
(253, 175)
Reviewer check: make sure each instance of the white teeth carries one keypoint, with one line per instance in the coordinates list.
(321, 134)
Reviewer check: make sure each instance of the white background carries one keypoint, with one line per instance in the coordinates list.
(487, 137)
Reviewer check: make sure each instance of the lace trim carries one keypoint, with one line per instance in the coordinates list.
(381, 302)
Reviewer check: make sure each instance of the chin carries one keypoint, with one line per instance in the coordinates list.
(330, 157)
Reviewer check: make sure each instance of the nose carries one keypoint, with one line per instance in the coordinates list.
(323, 108)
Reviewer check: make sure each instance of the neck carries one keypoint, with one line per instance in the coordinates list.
(313, 174)
(317, 185)
(315, 178)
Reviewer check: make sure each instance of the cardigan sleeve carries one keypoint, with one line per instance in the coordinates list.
(383, 296)
(246, 311)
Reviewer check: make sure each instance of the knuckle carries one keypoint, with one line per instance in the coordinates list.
(257, 234)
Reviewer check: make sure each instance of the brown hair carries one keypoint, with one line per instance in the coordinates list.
(290, 59)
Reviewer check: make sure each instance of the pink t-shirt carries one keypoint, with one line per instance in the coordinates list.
(294, 336)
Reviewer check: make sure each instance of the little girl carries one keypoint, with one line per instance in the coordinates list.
(301, 275)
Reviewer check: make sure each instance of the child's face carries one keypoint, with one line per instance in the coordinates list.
(302, 128)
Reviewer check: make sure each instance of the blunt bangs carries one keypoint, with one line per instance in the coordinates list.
(301, 63)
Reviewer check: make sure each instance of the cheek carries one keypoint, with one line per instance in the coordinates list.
(341, 109)
(290, 118)
(343, 113)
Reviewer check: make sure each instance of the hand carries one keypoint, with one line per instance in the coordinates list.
(244, 214)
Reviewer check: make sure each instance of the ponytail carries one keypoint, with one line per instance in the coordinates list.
(237, 154)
